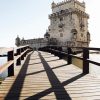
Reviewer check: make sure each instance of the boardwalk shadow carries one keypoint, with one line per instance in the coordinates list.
(34, 58)
(73, 79)
(37, 72)
(54, 82)
(52, 60)
(35, 63)
(14, 92)
(57, 86)
(49, 56)
(46, 61)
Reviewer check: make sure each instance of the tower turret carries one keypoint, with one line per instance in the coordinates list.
(53, 4)
(17, 41)
(47, 35)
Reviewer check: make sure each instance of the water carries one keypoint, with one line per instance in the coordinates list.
(3, 60)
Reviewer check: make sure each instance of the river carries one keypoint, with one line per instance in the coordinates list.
(3, 60)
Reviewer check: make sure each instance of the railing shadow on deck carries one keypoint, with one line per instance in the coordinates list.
(34, 58)
(15, 90)
(34, 63)
(56, 84)
(45, 57)
(39, 58)
(44, 70)
(46, 61)
(52, 60)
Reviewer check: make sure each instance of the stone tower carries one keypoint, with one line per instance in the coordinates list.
(69, 23)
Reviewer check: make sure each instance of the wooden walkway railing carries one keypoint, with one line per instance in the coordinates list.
(57, 51)
(14, 57)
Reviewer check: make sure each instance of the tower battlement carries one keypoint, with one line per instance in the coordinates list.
(68, 4)
(67, 1)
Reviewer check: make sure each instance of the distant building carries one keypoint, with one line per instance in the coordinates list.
(34, 43)
(68, 26)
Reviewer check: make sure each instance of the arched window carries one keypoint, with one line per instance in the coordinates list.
(61, 34)
(61, 19)
(88, 36)
(74, 32)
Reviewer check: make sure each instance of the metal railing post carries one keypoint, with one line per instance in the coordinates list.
(11, 67)
(69, 57)
(25, 48)
(22, 57)
(85, 62)
(18, 62)
(59, 52)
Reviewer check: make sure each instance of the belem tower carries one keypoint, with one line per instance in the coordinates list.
(68, 27)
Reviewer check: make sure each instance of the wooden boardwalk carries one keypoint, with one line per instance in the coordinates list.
(44, 77)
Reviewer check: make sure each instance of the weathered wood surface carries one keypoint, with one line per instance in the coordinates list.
(44, 77)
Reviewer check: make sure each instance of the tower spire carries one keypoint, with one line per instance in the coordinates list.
(53, 4)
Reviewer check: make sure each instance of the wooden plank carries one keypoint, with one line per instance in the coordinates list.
(32, 81)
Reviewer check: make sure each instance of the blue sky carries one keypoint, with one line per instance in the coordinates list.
(29, 19)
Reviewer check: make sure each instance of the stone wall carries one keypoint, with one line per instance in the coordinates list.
(65, 17)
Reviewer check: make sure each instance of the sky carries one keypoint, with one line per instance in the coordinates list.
(29, 19)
